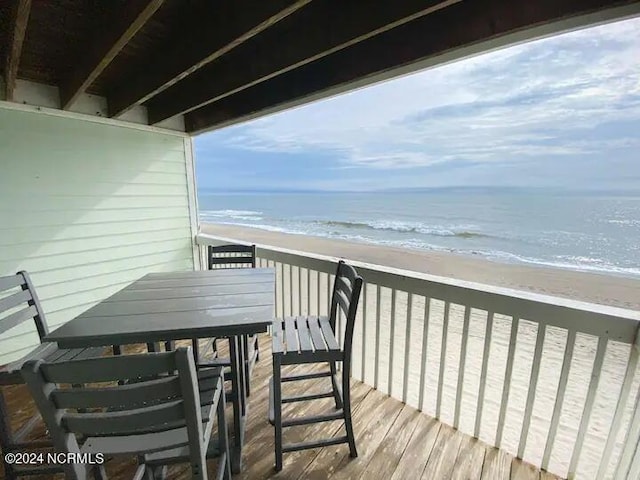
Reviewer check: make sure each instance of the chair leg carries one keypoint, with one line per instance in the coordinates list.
(169, 346)
(223, 434)
(195, 345)
(257, 347)
(6, 438)
(346, 397)
(334, 385)
(277, 410)
(247, 363)
(99, 473)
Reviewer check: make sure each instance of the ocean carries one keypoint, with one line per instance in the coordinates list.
(595, 232)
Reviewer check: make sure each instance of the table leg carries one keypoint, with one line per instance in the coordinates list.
(238, 394)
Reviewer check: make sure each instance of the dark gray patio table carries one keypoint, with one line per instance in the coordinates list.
(183, 305)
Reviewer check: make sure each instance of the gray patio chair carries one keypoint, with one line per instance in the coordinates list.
(19, 304)
(162, 413)
(312, 339)
(230, 256)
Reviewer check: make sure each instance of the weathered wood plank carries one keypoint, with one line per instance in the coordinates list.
(419, 449)
(386, 458)
(523, 471)
(497, 464)
(17, 32)
(468, 465)
(442, 461)
(370, 423)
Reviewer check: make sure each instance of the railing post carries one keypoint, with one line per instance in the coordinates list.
(628, 467)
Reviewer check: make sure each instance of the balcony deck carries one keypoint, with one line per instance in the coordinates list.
(394, 441)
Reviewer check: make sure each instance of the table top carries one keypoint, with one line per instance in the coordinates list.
(178, 305)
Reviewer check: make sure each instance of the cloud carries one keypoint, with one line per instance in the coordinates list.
(565, 97)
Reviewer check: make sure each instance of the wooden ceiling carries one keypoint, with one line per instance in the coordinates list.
(222, 61)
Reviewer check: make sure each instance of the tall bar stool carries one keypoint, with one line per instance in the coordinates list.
(312, 339)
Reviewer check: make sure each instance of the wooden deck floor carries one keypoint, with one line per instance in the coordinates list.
(394, 441)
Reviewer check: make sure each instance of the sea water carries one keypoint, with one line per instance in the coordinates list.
(588, 231)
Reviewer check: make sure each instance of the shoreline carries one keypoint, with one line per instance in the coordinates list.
(611, 290)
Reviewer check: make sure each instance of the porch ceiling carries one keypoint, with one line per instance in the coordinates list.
(225, 61)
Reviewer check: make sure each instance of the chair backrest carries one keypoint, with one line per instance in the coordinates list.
(346, 294)
(231, 256)
(140, 403)
(19, 303)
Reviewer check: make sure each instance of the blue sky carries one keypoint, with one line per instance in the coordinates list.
(557, 112)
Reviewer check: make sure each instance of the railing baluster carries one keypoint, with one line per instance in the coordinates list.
(282, 289)
(562, 387)
(318, 292)
(299, 290)
(291, 290)
(483, 373)
(308, 291)
(392, 333)
(376, 380)
(632, 365)
(461, 365)
(329, 299)
(506, 386)
(631, 444)
(407, 346)
(423, 358)
(364, 331)
(588, 405)
(443, 357)
(533, 384)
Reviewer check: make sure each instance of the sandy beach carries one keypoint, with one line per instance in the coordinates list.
(610, 290)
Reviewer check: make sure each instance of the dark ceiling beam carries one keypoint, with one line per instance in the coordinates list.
(322, 28)
(463, 29)
(107, 47)
(202, 42)
(18, 29)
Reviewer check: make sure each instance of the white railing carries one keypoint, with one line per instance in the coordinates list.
(553, 381)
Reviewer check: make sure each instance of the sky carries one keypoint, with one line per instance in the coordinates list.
(557, 112)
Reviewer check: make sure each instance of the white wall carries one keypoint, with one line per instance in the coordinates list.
(87, 208)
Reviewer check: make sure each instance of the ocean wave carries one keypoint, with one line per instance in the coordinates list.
(568, 262)
(627, 223)
(461, 231)
(232, 214)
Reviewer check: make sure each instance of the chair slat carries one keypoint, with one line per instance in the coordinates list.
(131, 395)
(343, 301)
(349, 272)
(127, 421)
(230, 260)
(304, 335)
(278, 339)
(12, 301)
(291, 334)
(343, 285)
(15, 319)
(119, 368)
(316, 333)
(329, 336)
(137, 444)
(231, 248)
(11, 281)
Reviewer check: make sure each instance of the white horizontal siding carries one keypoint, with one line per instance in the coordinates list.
(87, 208)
